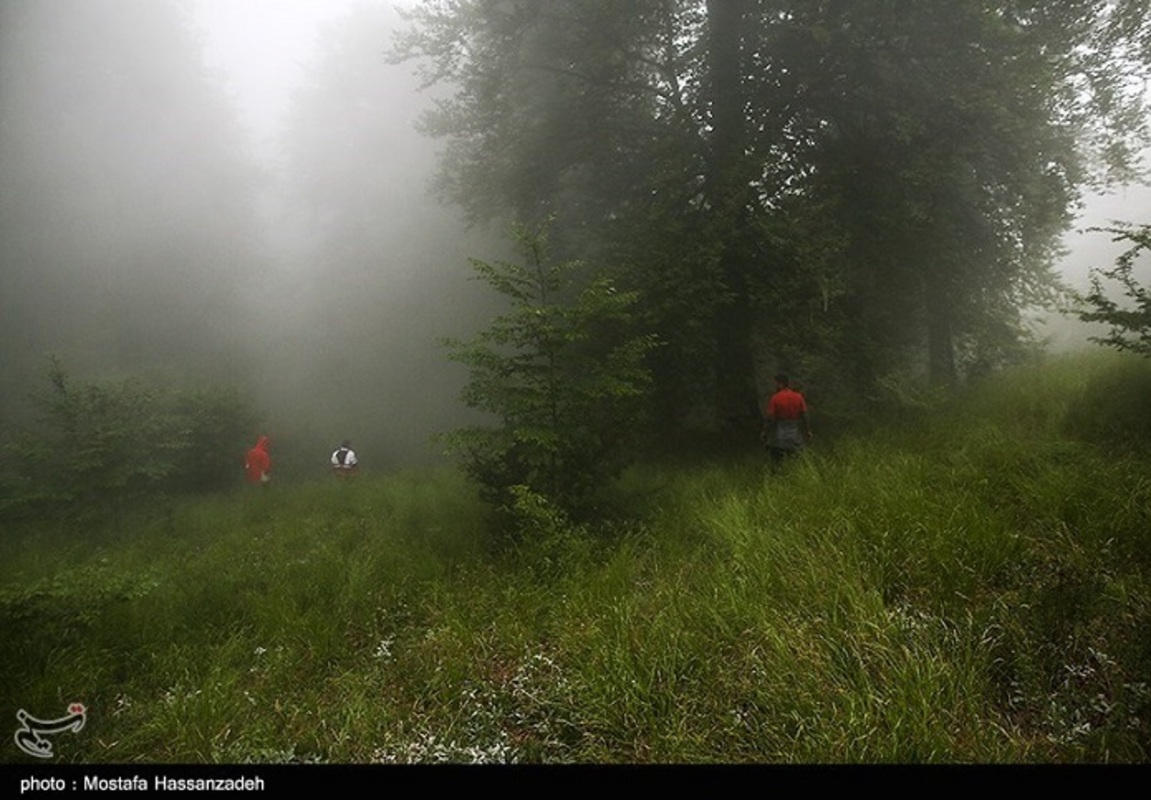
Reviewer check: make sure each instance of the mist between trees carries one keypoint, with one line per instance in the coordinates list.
(143, 234)
(868, 195)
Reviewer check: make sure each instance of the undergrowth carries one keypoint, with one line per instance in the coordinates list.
(971, 585)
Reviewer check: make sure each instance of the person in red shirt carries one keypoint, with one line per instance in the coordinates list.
(785, 425)
(258, 465)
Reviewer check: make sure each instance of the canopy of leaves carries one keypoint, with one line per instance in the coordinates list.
(851, 185)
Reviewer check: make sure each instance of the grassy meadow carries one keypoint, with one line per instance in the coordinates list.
(968, 581)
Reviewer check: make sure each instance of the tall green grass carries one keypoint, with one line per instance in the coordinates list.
(968, 585)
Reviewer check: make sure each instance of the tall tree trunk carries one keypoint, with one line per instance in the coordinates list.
(728, 194)
(940, 337)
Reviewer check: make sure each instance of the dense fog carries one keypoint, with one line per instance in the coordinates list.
(231, 193)
(1089, 246)
(164, 208)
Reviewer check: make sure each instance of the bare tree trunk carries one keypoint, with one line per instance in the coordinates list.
(728, 194)
(940, 338)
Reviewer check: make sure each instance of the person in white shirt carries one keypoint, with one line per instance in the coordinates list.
(344, 460)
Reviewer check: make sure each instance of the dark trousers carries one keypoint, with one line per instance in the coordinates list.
(779, 455)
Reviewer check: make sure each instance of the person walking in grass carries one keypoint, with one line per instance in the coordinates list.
(258, 464)
(785, 425)
(344, 462)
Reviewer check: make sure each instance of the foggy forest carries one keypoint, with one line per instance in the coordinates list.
(548, 247)
(145, 228)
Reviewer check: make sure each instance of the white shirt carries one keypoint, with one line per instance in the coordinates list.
(349, 461)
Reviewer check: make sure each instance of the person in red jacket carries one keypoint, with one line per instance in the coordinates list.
(258, 464)
(785, 426)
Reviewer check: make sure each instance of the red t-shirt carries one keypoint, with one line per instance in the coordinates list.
(786, 404)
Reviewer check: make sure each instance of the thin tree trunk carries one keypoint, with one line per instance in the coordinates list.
(940, 338)
(728, 193)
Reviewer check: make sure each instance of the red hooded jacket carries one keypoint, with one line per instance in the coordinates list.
(258, 461)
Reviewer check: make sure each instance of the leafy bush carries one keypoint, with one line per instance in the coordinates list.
(564, 372)
(216, 424)
(96, 444)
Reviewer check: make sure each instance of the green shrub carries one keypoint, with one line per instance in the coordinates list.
(564, 374)
(97, 444)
